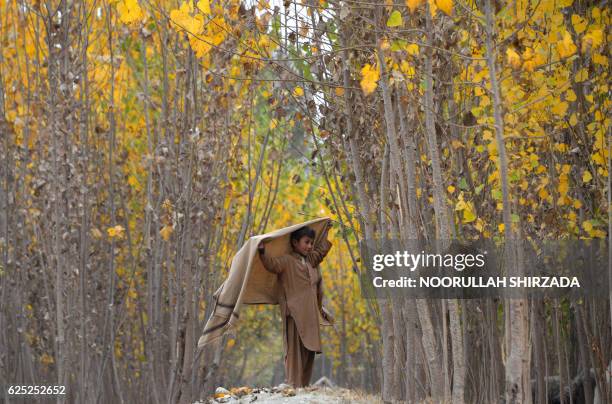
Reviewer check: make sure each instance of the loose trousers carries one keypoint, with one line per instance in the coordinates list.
(298, 359)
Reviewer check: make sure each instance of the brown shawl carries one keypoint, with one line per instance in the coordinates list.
(248, 282)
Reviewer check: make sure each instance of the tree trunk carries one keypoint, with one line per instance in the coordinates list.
(516, 378)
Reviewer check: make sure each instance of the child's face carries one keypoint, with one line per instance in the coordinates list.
(303, 246)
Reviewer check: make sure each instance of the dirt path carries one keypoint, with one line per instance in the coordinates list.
(310, 395)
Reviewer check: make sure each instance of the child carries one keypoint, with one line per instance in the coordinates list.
(300, 301)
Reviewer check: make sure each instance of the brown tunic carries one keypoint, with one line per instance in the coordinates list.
(302, 292)
(299, 360)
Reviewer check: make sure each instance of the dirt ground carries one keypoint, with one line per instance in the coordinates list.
(310, 395)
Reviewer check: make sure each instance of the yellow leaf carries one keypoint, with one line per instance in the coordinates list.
(566, 46)
(298, 92)
(181, 15)
(570, 95)
(413, 4)
(120, 272)
(456, 144)
(204, 6)
(369, 81)
(596, 13)
(129, 11)
(560, 108)
(528, 54)
(592, 40)
(445, 5)
(133, 181)
(577, 204)
(412, 49)
(600, 59)
(501, 227)
(433, 8)
(513, 58)
(563, 185)
(468, 214)
(450, 189)
(264, 42)
(165, 232)
(597, 157)
(579, 23)
(587, 226)
(116, 231)
(529, 65)
(598, 234)
(586, 176)
(581, 76)
(407, 69)
(46, 359)
(532, 59)
(573, 120)
(339, 91)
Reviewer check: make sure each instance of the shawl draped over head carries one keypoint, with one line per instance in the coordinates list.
(248, 282)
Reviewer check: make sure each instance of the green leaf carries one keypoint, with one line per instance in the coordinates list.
(276, 24)
(398, 45)
(469, 215)
(497, 194)
(395, 19)
(514, 176)
(307, 73)
(463, 184)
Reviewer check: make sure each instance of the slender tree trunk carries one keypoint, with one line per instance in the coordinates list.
(85, 220)
(516, 379)
(539, 323)
(442, 223)
(113, 219)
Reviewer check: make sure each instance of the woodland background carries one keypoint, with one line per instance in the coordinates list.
(143, 142)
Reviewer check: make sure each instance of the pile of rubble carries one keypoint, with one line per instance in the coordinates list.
(249, 395)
